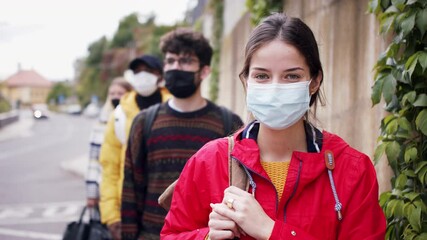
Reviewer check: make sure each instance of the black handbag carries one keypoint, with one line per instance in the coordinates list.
(92, 230)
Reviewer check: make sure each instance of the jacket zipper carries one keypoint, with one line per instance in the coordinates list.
(252, 182)
(293, 192)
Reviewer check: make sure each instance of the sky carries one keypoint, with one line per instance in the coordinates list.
(49, 35)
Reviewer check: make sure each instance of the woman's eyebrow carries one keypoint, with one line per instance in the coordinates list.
(294, 69)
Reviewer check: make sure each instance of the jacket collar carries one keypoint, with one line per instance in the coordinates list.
(247, 152)
(313, 135)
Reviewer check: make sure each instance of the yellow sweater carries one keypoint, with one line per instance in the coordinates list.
(277, 171)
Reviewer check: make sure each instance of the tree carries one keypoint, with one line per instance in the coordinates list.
(401, 81)
(59, 90)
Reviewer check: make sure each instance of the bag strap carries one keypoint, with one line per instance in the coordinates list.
(150, 115)
(236, 174)
(82, 214)
(227, 117)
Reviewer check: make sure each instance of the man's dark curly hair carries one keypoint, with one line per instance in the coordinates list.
(186, 41)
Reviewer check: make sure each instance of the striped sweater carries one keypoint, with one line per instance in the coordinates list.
(175, 137)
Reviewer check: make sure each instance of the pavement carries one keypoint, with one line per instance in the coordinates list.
(77, 166)
(22, 129)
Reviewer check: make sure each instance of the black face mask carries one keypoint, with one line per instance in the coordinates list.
(181, 83)
(115, 102)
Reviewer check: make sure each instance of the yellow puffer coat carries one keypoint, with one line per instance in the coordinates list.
(112, 160)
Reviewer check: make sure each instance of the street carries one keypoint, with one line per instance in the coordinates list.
(39, 195)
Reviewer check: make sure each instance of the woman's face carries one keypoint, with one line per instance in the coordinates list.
(116, 91)
(278, 62)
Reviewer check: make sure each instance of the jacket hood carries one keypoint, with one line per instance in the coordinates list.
(128, 102)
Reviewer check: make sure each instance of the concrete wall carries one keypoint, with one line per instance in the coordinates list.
(349, 45)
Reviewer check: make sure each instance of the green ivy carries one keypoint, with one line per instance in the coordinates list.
(218, 9)
(401, 80)
(262, 8)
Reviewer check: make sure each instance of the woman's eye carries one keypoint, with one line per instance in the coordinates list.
(293, 77)
(261, 76)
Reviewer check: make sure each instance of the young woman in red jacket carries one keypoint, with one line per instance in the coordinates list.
(304, 183)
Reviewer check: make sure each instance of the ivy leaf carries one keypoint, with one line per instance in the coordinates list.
(421, 101)
(410, 97)
(400, 4)
(420, 167)
(376, 91)
(401, 181)
(373, 6)
(389, 87)
(392, 151)
(390, 207)
(410, 2)
(384, 197)
(385, 3)
(423, 59)
(386, 22)
(412, 196)
(408, 24)
(421, 21)
(392, 126)
(409, 173)
(404, 124)
(410, 154)
(412, 63)
(379, 151)
(421, 236)
(421, 121)
(415, 219)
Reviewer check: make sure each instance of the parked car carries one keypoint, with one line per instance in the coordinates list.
(74, 109)
(40, 111)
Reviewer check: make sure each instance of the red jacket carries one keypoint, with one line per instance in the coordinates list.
(306, 209)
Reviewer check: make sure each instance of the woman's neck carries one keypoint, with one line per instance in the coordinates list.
(278, 145)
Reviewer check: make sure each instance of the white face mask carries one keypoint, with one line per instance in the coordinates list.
(144, 83)
(278, 106)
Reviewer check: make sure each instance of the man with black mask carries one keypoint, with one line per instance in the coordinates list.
(181, 126)
(145, 76)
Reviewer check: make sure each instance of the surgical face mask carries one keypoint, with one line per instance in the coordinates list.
(181, 83)
(144, 83)
(278, 106)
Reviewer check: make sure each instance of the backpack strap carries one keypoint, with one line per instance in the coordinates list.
(227, 117)
(236, 174)
(150, 115)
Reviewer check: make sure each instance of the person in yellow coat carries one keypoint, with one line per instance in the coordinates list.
(146, 77)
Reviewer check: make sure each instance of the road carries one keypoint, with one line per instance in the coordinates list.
(38, 196)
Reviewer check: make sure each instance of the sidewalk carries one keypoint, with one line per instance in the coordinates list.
(20, 128)
(77, 166)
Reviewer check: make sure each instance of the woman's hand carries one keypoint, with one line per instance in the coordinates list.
(242, 208)
(221, 227)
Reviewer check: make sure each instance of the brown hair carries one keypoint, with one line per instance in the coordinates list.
(121, 81)
(292, 31)
(186, 41)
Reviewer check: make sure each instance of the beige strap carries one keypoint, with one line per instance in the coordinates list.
(236, 174)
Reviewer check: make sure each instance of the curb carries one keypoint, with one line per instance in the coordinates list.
(76, 166)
